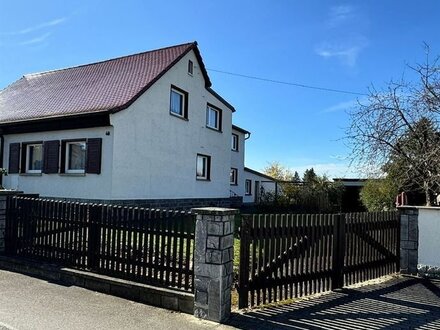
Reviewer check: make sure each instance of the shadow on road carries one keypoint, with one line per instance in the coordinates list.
(403, 303)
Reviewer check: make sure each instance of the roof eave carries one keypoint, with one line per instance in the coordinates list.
(239, 129)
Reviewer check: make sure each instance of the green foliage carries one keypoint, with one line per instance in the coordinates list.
(379, 194)
(313, 194)
(310, 176)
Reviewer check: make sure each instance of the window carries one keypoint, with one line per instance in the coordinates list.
(34, 158)
(233, 176)
(213, 117)
(179, 102)
(203, 167)
(248, 187)
(234, 145)
(75, 157)
(190, 67)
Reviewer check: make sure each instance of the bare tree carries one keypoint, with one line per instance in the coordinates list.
(396, 130)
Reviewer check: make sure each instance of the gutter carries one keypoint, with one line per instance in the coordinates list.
(2, 146)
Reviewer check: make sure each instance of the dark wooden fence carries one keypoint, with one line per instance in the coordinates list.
(144, 245)
(284, 256)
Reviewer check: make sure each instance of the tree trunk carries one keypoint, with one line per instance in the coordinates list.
(427, 194)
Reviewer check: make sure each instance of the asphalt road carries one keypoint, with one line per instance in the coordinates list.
(30, 303)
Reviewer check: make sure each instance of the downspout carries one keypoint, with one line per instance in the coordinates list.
(2, 145)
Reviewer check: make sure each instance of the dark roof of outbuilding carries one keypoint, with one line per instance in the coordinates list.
(107, 86)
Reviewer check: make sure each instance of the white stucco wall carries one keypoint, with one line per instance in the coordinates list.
(237, 161)
(89, 186)
(429, 236)
(149, 154)
(269, 186)
(155, 152)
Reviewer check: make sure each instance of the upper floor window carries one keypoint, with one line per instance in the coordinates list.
(179, 102)
(75, 157)
(34, 158)
(203, 167)
(234, 142)
(213, 117)
(190, 67)
(248, 187)
(233, 177)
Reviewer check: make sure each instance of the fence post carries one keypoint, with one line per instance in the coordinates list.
(243, 285)
(409, 239)
(94, 236)
(213, 262)
(7, 221)
(338, 251)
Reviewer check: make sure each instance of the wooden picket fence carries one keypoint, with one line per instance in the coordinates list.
(145, 245)
(285, 256)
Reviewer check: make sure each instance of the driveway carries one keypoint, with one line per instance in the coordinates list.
(401, 303)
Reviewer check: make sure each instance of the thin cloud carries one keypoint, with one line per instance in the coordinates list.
(345, 39)
(343, 106)
(348, 55)
(340, 14)
(34, 28)
(36, 40)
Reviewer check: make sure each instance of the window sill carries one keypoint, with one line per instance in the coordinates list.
(200, 179)
(234, 184)
(72, 174)
(178, 116)
(214, 129)
(31, 174)
(234, 150)
(248, 194)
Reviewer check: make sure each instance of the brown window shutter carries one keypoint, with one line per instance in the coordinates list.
(63, 157)
(94, 151)
(23, 158)
(14, 158)
(51, 156)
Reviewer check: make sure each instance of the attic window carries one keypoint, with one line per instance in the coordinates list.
(190, 67)
(179, 102)
(213, 117)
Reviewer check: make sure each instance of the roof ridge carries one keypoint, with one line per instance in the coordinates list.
(194, 43)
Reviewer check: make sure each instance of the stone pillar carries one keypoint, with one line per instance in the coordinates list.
(409, 240)
(3, 196)
(213, 262)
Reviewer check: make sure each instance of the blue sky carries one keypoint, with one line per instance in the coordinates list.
(346, 45)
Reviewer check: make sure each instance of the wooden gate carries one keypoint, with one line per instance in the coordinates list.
(284, 256)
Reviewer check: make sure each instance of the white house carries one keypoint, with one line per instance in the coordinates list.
(145, 127)
(256, 183)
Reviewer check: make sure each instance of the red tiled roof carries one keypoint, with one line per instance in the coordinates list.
(110, 85)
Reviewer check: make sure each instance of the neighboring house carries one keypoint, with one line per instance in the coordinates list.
(256, 184)
(351, 197)
(145, 127)
(236, 178)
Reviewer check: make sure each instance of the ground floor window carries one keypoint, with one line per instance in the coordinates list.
(76, 157)
(34, 158)
(203, 167)
(233, 176)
